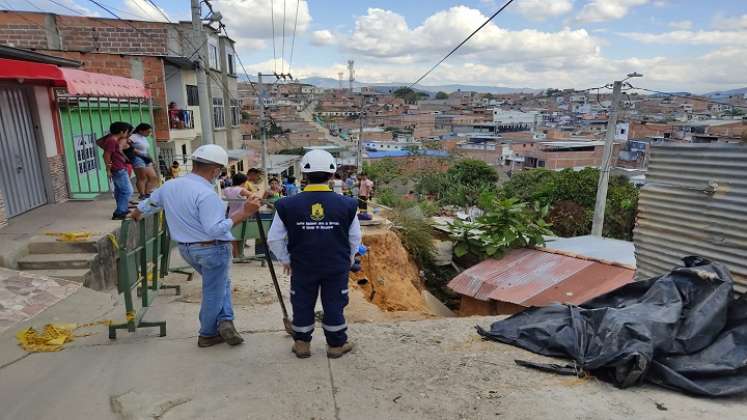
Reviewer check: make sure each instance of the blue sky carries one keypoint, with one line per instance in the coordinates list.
(677, 44)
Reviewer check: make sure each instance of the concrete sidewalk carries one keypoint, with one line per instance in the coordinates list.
(72, 216)
(430, 369)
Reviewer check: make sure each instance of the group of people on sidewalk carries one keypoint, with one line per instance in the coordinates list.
(127, 148)
(315, 234)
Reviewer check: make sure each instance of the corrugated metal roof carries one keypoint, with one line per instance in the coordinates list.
(694, 203)
(531, 277)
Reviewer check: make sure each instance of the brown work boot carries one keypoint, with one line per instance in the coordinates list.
(209, 341)
(337, 352)
(302, 349)
(229, 333)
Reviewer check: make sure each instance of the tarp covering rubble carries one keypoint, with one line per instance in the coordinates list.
(683, 330)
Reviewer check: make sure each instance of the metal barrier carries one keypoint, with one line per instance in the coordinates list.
(143, 260)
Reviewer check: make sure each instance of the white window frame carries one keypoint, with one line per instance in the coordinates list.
(235, 112)
(231, 60)
(213, 56)
(219, 114)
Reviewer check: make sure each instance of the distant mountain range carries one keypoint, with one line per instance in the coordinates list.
(724, 94)
(329, 83)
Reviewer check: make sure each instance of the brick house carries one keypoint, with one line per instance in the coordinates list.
(157, 53)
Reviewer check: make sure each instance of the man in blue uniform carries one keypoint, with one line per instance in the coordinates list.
(315, 235)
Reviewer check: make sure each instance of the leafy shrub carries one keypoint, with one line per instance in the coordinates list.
(505, 224)
(387, 197)
(569, 218)
(416, 236)
(382, 171)
(559, 189)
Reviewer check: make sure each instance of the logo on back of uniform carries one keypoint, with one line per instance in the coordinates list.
(317, 212)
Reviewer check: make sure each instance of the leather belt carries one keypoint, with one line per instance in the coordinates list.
(204, 243)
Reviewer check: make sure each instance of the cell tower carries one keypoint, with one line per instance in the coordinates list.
(351, 72)
(339, 79)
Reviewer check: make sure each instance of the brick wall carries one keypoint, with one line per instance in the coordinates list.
(106, 46)
(23, 30)
(58, 178)
(78, 33)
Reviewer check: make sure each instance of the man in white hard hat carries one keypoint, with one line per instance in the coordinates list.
(315, 235)
(196, 218)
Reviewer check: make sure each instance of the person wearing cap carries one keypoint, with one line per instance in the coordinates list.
(315, 235)
(196, 217)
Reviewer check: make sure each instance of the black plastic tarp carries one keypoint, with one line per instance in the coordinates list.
(683, 330)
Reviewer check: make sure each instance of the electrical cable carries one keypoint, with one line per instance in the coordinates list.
(282, 50)
(694, 98)
(461, 43)
(165, 16)
(274, 52)
(293, 41)
(76, 12)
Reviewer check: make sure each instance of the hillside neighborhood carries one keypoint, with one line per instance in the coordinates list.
(515, 252)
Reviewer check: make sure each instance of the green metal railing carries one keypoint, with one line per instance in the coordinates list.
(143, 261)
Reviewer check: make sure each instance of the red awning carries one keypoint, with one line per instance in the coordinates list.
(77, 82)
(84, 83)
(30, 72)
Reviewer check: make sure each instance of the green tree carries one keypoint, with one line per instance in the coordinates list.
(442, 95)
(406, 94)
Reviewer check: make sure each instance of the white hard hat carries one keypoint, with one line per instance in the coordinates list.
(212, 154)
(318, 161)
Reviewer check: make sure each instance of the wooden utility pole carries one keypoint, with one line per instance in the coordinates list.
(203, 63)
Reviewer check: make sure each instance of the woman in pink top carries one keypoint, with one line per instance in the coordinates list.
(236, 192)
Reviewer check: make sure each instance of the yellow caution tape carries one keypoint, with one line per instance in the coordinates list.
(53, 337)
(71, 236)
(114, 241)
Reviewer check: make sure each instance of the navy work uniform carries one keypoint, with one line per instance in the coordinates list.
(317, 233)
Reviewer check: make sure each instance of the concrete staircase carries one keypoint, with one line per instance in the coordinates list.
(72, 261)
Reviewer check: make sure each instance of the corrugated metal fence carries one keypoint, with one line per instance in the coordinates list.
(694, 203)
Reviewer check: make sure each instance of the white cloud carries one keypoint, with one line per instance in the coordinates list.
(387, 49)
(542, 9)
(690, 37)
(682, 25)
(145, 10)
(733, 23)
(383, 34)
(251, 20)
(323, 37)
(602, 10)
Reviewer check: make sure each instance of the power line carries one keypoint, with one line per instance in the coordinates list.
(76, 12)
(293, 42)
(274, 52)
(282, 51)
(153, 3)
(694, 98)
(34, 6)
(462, 43)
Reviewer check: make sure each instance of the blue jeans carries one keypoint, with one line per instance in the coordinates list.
(213, 262)
(122, 191)
(305, 288)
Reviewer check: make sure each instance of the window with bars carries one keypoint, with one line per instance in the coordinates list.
(193, 97)
(235, 112)
(219, 117)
